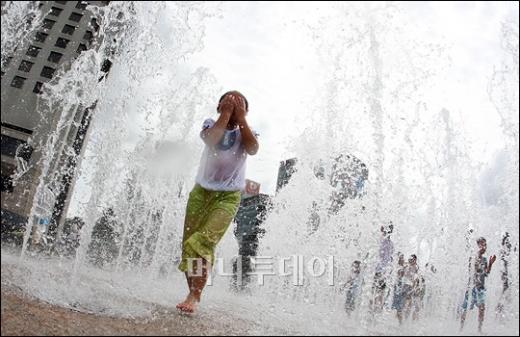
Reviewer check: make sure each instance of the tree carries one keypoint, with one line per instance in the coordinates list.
(70, 237)
(103, 247)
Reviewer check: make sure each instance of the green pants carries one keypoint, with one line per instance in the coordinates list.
(208, 215)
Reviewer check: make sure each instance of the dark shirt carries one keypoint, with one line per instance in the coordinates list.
(479, 278)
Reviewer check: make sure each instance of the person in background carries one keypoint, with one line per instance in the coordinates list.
(410, 282)
(397, 302)
(429, 287)
(505, 253)
(383, 268)
(479, 268)
(353, 287)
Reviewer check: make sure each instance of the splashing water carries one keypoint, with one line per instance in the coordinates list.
(19, 18)
(373, 98)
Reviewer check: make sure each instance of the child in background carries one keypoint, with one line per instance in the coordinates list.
(479, 268)
(353, 287)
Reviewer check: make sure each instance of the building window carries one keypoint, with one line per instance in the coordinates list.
(48, 24)
(40, 37)
(81, 48)
(76, 17)
(68, 29)
(25, 66)
(56, 11)
(106, 65)
(54, 57)
(38, 88)
(18, 82)
(33, 51)
(17, 128)
(81, 5)
(29, 20)
(88, 36)
(9, 145)
(47, 72)
(24, 151)
(6, 185)
(94, 25)
(61, 42)
(13, 147)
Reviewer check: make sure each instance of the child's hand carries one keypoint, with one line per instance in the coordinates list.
(492, 260)
(240, 107)
(227, 105)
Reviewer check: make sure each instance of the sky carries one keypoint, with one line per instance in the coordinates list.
(259, 49)
(253, 48)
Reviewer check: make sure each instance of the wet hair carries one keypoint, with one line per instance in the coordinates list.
(481, 239)
(357, 262)
(400, 259)
(235, 92)
(387, 229)
(505, 238)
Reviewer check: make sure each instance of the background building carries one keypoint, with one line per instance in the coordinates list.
(67, 30)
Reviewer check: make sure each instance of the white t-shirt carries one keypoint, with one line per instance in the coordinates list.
(223, 167)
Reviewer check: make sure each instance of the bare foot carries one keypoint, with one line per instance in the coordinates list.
(189, 305)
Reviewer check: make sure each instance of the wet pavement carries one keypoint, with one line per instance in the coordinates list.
(23, 315)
